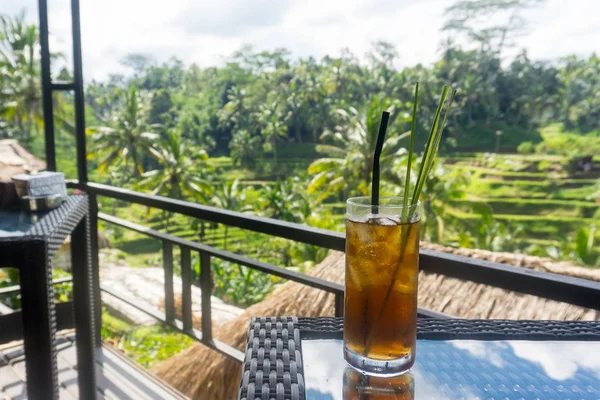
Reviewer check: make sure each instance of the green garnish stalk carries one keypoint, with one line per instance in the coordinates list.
(431, 150)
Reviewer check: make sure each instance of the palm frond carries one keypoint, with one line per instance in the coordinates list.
(324, 164)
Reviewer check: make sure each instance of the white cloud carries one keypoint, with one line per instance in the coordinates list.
(482, 350)
(238, 17)
(560, 360)
(205, 31)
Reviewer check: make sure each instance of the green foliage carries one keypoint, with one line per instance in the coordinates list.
(231, 197)
(161, 109)
(183, 171)
(286, 200)
(239, 285)
(580, 247)
(584, 246)
(489, 234)
(526, 148)
(20, 88)
(64, 291)
(557, 141)
(441, 188)
(126, 140)
(349, 163)
(580, 95)
(246, 150)
(146, 346)
(10, 277)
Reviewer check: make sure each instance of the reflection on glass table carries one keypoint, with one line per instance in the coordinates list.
(358, 386)
(462, 369)
(15, 223)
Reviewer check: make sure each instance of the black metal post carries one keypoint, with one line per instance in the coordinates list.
(97, 305)
(339, 304)
(186, 289)
(168, 269)
(206, 286)
(46, 87)
(78, 91)
(39, 324)
(83, 296)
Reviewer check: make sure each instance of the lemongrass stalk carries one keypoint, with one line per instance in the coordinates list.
(438, 139)
(410, 155)
(422, 177)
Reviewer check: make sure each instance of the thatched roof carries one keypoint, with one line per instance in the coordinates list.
(473, 300)
(203, 373)
(14, 159)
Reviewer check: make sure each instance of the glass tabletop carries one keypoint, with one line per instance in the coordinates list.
(15, 223)
(462, 369)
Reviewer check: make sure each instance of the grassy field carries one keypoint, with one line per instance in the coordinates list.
(147, 345)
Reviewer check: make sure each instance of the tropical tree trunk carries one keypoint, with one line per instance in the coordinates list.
(29, 125)
(136, 162)
(296, 129)
(202, 230)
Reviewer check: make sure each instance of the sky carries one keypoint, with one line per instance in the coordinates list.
(205, 32)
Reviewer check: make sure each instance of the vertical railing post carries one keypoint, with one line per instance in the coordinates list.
(167, 248)
(82, 173)
(46, 87)
(186, 289)
(85, 308)
(339, 304)
(39, 323)
(206, 286)
(93, 224)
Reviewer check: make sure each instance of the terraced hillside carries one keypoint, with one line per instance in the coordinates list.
(534, 192)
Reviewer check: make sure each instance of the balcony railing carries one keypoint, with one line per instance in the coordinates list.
(571, 290)
(566, 289)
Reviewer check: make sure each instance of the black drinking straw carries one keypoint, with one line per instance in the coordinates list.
(385, 117)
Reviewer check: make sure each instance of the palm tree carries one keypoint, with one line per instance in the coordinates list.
(183, 172)
(284, 200)
(245, 149)
(19, 62)
(128, 138)
(350, 164)
(272, 124)
(442, 188)
(231, 197)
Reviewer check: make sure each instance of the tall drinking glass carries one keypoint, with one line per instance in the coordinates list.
(382, 259)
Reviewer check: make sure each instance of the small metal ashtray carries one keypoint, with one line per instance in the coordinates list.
(41, 203)
(41, 184)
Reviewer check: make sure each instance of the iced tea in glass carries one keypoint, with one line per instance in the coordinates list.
(380, 309)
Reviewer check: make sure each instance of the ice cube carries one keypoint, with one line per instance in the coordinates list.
(383, 221)
(364, 233)
(359, 279)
